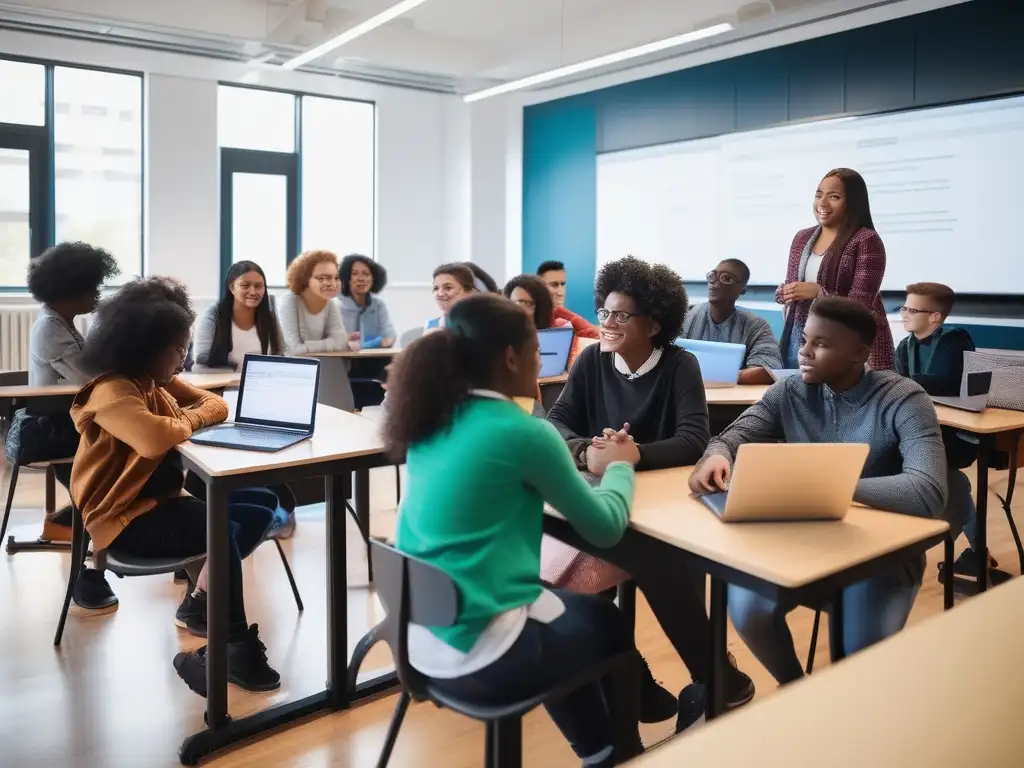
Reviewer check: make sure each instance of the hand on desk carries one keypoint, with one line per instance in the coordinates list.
(711, 475)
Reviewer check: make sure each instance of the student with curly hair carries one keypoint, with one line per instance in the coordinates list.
(127, 477)
(530, 293)
(66, 280)
(638, 387)
(451, 405)
(362, 309)
(310, 321)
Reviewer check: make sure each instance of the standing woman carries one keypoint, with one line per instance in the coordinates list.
(451, 283)
(361, 308)
(842, 256)
(241, 322)
(310, 321)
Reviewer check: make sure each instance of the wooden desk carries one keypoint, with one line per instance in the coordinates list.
(792, 563)
(361, 354)
(911, 700)
(207, 381)
(986, 425)
(343, 443)
(741, 394)
(560, 379)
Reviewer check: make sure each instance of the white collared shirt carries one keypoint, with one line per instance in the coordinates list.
(652, 361)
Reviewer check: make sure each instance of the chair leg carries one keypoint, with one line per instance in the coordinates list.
(507, 743)
(401, 707)
(79, 545)
(398, 484)
(288, 572)
(366, 642)
(10, 501)
(814, 642)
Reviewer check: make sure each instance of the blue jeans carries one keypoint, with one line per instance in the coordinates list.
(872, 610)
(545, 656)
(791, 355)
(961, 514)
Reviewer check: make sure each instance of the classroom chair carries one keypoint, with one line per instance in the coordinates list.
(13, 546)
(414, 591)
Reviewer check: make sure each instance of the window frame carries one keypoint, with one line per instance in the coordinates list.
(43, 135)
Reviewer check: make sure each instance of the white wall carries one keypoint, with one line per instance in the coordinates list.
(423, 194)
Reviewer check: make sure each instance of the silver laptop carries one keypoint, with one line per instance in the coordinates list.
(790, 481)
(276, 405)
(555, 346)
(974, 393)
(719, 362)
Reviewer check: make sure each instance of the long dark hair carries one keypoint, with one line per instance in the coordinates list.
(433, 376)
(543, 306)
(858, 214)
(266, 324)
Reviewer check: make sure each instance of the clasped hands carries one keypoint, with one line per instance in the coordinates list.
(609, 447)
(790, 292)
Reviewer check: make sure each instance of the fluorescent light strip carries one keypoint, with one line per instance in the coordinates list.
(351, 34)
(600, 61)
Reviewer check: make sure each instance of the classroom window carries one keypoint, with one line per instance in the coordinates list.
(338, 175)
(15, 225)
(22, 93)
(98, 173)
(259, 222)
(249, 118)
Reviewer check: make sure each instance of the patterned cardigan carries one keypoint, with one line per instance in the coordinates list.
(861, 269)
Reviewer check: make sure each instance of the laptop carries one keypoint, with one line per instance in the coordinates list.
(783, 373)
(276, 405)
(720, 363)
(776, 482)
(555, 346)
(975, 389)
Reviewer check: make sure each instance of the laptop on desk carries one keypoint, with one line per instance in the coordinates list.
(555, 346)
(975, 391)
(276, 405)
(775, 482)
(720, 363)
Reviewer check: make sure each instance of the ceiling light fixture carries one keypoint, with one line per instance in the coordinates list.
(600, 61)
(351, 34)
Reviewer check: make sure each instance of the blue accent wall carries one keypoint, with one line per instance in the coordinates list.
(963, 52)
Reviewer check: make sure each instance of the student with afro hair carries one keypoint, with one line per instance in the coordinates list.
(638, 387)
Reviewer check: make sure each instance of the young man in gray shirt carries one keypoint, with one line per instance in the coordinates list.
(835, 400)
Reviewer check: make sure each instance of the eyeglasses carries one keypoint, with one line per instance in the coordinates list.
(621, 316)
(725, 278)
(912, 311)
(326, 279)
(528, 303)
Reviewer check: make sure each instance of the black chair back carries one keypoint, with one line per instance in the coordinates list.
(411, 590)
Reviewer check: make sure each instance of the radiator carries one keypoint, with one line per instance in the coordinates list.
(15, 326)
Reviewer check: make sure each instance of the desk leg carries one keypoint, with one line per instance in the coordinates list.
(51, 491)
(217, 610)
(984, 452)
(337, 591)
(837, 649)
(718, 615)
(361, 491)
(950, 582)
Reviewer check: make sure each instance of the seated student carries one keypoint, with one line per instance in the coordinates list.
(241, 322)
(127, 477)
(310, 321)
(451, 282)
(553, 275)
(638, 387)
(721, 320)
(933, 356)
(837, 400)
(66, 281)
(450, 405)
(362, 309)
(530, 293)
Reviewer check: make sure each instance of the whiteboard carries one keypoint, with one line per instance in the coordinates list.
(945, 185)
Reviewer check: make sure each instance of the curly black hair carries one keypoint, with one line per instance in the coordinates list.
(136, 325)
(543, 306)
(380, 275)
(848, 313)
(657, 290)
(70, 271)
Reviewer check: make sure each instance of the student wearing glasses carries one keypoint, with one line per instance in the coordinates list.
(554, 277)
(530, 293)
(310, 321)
(721, 320)
(636, 386)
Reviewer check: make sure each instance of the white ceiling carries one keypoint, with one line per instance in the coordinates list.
(455, 45)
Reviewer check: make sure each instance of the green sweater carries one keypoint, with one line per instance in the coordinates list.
(474, 507)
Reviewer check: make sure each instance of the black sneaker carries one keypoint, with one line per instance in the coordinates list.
(739, 690)
(247, 665)
(92, 592)
(966, 565)
(656, 703)
(191, 614)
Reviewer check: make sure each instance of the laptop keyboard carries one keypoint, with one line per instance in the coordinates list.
(253, 436)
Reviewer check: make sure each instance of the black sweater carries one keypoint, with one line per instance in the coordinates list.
(945, 369)
(665, 408)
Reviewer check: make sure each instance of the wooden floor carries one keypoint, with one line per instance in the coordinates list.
(109, 698)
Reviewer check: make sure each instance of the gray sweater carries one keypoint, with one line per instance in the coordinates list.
(301, 331)
(741, 327)
(55, 351)
(905, 470)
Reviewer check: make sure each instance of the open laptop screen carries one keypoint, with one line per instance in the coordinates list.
(278, 391)
(719, 361)
(555, 345)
